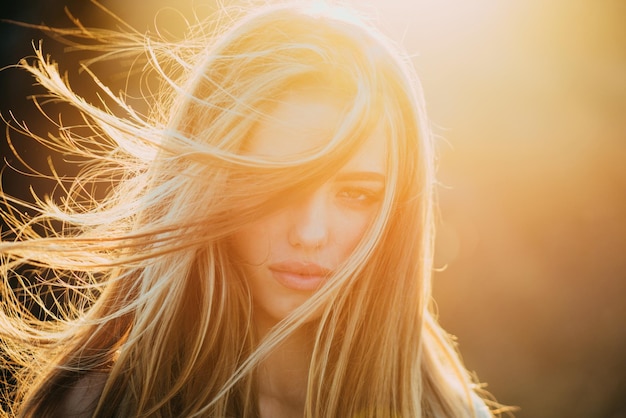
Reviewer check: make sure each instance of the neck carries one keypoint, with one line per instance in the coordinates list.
(283, 375)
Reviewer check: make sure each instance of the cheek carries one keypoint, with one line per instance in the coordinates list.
(350, 233)
(252, 243)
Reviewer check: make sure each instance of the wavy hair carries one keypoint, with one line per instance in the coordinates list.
(147, 290)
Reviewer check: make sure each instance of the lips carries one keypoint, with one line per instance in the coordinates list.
(299, 275)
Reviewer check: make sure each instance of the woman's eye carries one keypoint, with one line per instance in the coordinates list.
(359, 196)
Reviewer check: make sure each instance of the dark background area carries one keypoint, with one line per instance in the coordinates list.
(529, 99)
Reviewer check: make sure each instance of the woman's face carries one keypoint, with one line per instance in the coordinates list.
(288, 255)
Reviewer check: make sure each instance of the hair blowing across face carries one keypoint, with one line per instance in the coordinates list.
(152, 299)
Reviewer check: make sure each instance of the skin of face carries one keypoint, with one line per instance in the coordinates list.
(287, 255)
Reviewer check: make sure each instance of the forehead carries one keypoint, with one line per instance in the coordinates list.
(304, 121)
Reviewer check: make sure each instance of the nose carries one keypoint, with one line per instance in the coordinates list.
(309, 222)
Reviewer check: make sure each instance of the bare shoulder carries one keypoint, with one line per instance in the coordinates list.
(81, 399)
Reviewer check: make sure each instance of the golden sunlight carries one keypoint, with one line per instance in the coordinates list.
(527, 99)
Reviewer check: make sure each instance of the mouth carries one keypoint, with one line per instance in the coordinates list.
(298, 275)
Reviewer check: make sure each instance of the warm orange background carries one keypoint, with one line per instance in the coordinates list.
(529, 100)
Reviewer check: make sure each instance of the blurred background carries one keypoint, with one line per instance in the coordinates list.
(528, 100)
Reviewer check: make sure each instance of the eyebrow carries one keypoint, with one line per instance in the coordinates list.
(361, 175)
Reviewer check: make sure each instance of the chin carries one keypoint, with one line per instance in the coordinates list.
(276, 312)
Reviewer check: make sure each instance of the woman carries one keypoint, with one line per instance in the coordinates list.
(265, 249)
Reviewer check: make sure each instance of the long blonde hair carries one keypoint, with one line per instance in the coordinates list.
(152, 296)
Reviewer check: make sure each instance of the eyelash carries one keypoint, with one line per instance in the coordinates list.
(360, 196)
